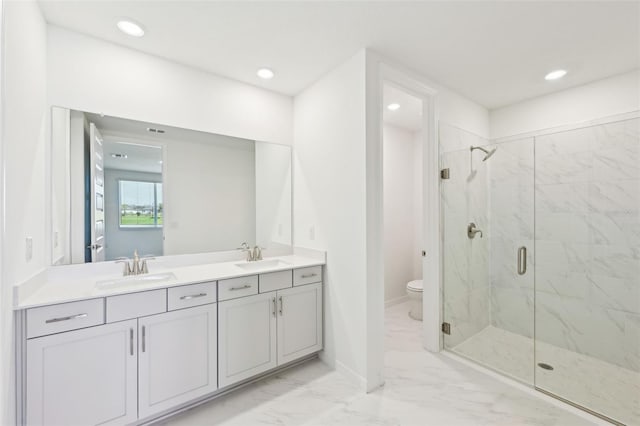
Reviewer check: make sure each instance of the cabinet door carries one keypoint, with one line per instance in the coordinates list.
(247, 340)
(177, 357)
(83, 377)
(299, 322)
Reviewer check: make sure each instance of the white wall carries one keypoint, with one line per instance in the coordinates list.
(418, 211)
(615, 95)
(24, 132)
(400, 233)
(273, 194)
(329, 204)
(121, 242)
(87, 74)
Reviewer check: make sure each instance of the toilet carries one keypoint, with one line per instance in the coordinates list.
(414, 291)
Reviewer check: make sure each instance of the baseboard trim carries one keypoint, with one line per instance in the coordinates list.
(395, 301)
(354, 377)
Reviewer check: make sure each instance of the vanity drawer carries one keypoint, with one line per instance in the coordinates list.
(136, 305)
(275, 281)
(64, 317)
(310, 275)
(237, 287)
(186, 296)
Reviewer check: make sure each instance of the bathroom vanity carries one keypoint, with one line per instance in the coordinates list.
(116, 350)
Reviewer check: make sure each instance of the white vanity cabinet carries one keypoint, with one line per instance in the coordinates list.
(177, 358)
(127, 358)
(83, 377)
(247, 337)
(299, 322)
(260, 332)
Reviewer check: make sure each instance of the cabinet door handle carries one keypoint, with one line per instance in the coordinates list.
(144, 338)
(281, 305)
(240, 288)
(522, 260)
(131, 341)
(70, 317)
(308, 276)
(193, 296)
(274, 306)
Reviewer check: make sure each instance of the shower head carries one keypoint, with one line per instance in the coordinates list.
(488, 153)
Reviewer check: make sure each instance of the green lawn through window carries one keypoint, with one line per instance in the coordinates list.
(131, 219)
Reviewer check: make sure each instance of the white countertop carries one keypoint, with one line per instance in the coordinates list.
(57, 287)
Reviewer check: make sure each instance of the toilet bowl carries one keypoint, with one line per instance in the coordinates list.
(414, 291)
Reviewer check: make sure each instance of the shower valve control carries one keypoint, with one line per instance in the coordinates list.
(472, 231)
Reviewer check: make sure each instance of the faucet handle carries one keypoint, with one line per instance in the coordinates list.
(246, 248)
(143, 267)
(127, 266)
(257, 252)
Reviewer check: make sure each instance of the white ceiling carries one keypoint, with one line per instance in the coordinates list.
(142, 148)
(140, 158)
(495, 53)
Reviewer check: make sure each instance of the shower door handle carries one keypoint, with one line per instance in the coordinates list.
(522, 260)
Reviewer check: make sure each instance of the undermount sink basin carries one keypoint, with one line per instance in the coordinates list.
(262, 264)
(143, 278)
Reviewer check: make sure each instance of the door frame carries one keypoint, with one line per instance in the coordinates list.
(379, 73)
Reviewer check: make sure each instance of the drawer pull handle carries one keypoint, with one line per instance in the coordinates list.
(281, 305)
(131, 341)
(308, 276)
(240, 288)
(274, 307)
(144, 338)
(193, 296)
(70, 317)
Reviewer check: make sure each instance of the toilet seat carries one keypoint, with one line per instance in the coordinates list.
(415, 285)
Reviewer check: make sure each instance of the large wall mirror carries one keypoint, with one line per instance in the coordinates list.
(120, 185)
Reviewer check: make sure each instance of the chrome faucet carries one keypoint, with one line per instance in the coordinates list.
(472, 231)
(135, 266)
(253, 254)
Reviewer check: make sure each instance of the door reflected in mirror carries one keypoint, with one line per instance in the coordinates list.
(121, 185)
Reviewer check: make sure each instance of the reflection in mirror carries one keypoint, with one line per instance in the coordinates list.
(121, 185)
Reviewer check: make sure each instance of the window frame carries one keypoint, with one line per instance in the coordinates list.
(155, 224)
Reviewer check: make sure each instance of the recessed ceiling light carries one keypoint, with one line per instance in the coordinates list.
(130, 28)
(265, 73)
(393, 107)
(554, 75)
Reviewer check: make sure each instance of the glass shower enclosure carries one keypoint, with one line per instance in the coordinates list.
(548, 290)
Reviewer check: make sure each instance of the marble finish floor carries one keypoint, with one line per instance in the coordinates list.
(421, 389)
(600, 386)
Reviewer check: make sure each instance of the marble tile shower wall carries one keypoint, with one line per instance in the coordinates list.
(466, 267)
(511, 173)
(587, 192)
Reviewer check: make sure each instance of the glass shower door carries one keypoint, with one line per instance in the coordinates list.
(488, 305)
(587, 313)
